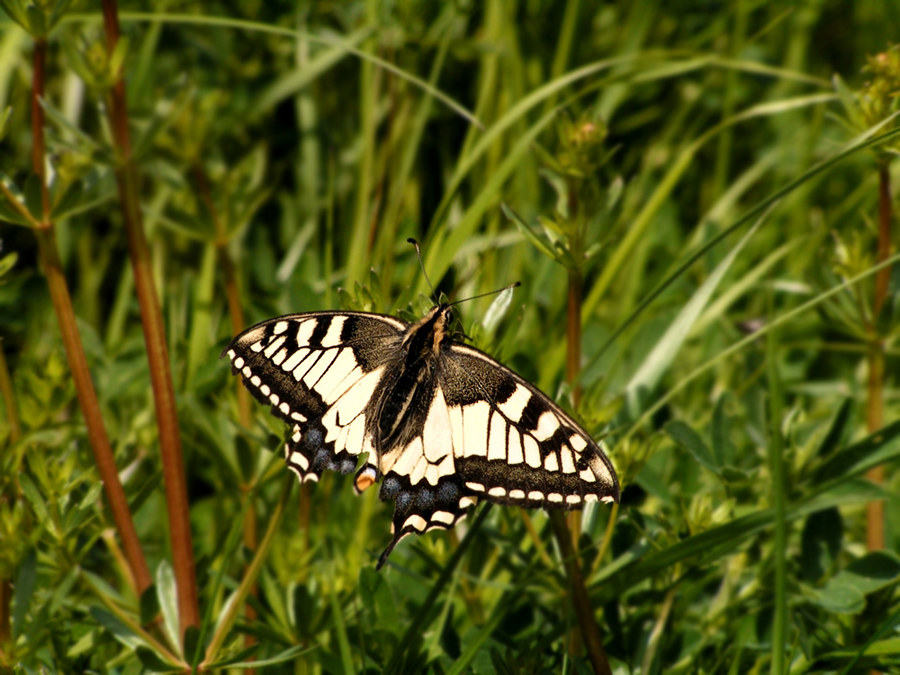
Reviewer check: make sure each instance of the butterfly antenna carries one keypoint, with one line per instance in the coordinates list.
(422, 267)
(482, 295)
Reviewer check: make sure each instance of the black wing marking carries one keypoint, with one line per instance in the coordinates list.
(320, 373)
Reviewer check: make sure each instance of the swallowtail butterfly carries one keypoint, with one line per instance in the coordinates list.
(441, 424)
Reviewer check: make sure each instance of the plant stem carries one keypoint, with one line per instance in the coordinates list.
(573, 352)
(779, 502)
(154, 338)
(226, 621)
(875, 402)
(65, 315)
(578, 592)
(573, 334)
(232, 291)
(15, 433)
(883, 278)
(9, 400)
(236, 314)
(566, 536)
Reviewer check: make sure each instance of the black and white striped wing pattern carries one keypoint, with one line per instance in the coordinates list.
(320, 373)
(440, 423)
(515, 445)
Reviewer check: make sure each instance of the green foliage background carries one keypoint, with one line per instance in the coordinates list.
(661, 152)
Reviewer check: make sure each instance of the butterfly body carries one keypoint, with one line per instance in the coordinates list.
(441, 423)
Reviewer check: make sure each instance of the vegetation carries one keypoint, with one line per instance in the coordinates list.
(697, 198)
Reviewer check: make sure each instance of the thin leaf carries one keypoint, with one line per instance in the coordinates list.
(661, 356)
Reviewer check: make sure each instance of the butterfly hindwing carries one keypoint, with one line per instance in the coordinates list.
(319, 373)
(513, 444)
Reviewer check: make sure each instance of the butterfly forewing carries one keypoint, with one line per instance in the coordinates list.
(442, 424)
(319, 372)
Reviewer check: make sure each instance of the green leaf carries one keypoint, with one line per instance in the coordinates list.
(722, 449)
(8, 212)
(117, 628)
(846, 592)
(154, 663)
(167, 596)
(339, 627)
(690, 440)
(497, 310)
(820, 544)
(149, 605)
(283, 657)
(16, 11)
(538, 239)
(34, 496)
(7, 262)
(659, 359)
(191, 641)
(23, 591)
(36, 24)
(4, 115)
(836, 430)
(879, 447)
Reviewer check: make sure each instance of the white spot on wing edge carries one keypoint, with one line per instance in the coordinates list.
(497, 492)
(280, 327)
(478, 487)
(444, 517)
(416, 522)
(299, 459)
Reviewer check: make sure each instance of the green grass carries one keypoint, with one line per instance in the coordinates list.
(692, 182)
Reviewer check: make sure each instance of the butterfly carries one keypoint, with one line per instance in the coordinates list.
(441, 424)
